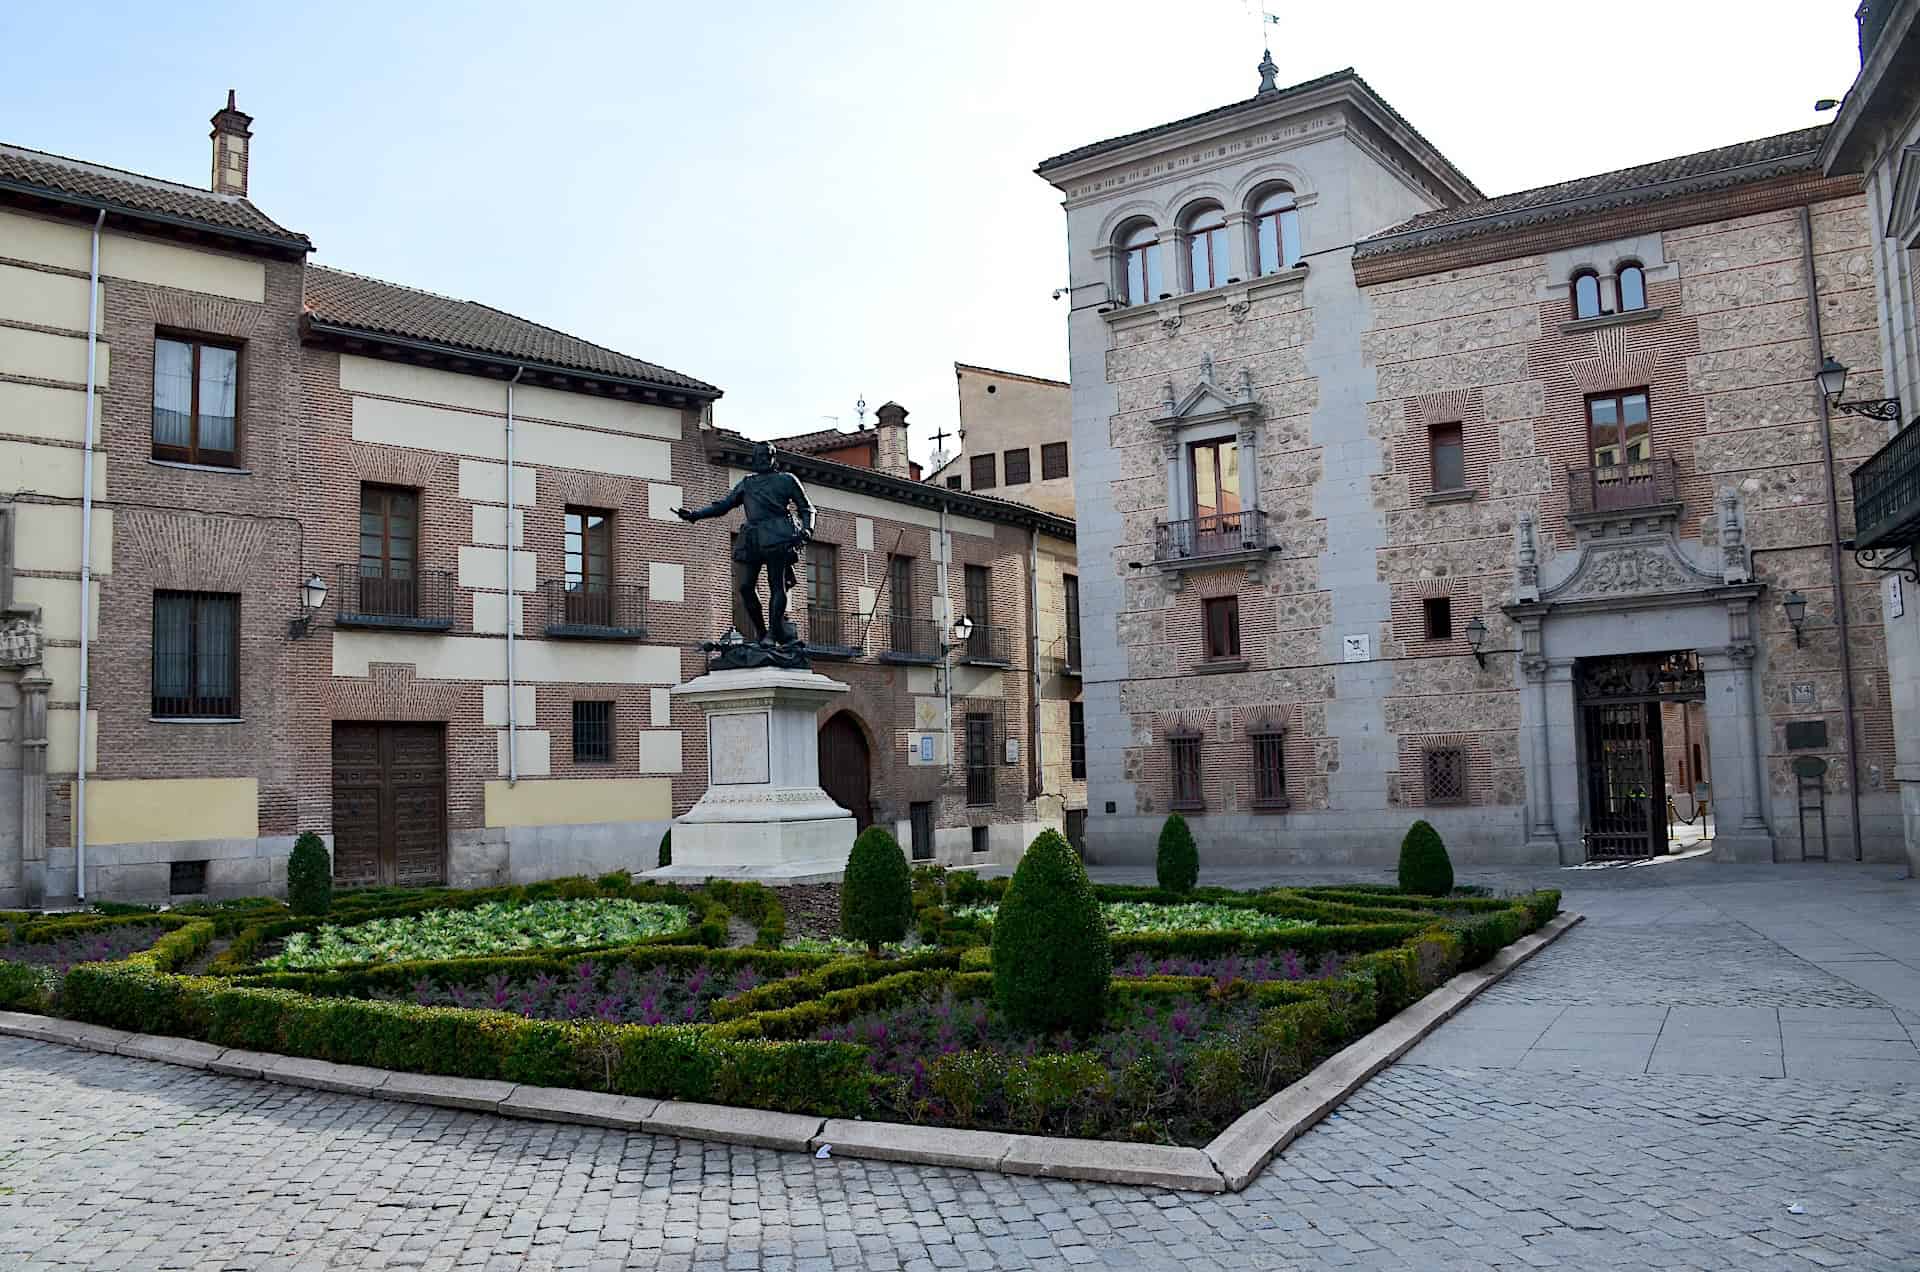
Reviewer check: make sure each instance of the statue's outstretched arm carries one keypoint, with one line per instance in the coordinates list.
(725, 503)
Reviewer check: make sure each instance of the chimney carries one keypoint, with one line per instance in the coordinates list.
(892, 430)
(231, 134)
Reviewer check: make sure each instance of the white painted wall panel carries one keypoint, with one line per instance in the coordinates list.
(47, 300)
(488, 483)
(484, 659)
(660, 707)
(493, 704)
(36, 410)
(660, 751)
(490, 525)
(487, 567)
(666, 581)
(214, 274)
(462, 433)
(535, 747)
(662, 499)
(490, 613)
(48, 357)
(480, 393)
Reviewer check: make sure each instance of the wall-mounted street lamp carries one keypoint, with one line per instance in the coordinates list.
(1796, 607)
(313, 594)
(1477, 639)
(1832, 379)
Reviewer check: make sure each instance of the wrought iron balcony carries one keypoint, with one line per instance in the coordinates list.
(607, 611)
(838, 634)
(906, 639)
(1222, 534)
(1639, 483)
(986, 645)
(421, 601)
(1886, 495)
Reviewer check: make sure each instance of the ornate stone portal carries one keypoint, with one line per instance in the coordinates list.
(764, 815)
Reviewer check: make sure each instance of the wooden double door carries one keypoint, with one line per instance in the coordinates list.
(389, 804)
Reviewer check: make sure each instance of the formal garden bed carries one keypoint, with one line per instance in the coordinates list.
(1040, 1004)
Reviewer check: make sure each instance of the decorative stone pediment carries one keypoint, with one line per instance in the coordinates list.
(1644, 566)
(1209, 402)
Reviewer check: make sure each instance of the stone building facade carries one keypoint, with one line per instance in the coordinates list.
(1015, 440)
(403, 570)
(1877, 134)
(1407, 502)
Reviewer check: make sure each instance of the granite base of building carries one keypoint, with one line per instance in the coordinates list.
(1307, 839)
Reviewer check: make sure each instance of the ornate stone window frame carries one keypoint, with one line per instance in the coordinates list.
(1208, 413)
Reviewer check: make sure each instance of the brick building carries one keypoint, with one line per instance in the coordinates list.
(486, 505)
(1408, 502)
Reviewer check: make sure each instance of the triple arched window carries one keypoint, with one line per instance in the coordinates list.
(1624, 292)
(1203, 251)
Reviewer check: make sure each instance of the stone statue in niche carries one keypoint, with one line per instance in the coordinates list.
(778, 526)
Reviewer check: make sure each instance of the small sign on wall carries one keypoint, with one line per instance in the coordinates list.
(1013, 750)
(1357, 648)
(1896, 598)
(923, 749)
(1804, 693)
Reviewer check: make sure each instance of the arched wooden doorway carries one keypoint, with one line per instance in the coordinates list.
(846, 772)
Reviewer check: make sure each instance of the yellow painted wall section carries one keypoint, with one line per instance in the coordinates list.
(63, 737)
(472, 393)
(46, 300)
(47, 537)
(48, 470)
(579, 802)
(462, 433)
(212, 273)
(48, 357)
(59, 602)
(37, 410)
(46, 241)
(167, 810)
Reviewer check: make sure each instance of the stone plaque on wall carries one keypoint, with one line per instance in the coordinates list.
(1804, 693)
(19, 644)
(737, 749)
(1806, 735)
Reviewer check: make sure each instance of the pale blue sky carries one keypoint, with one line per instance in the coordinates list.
(803, 202)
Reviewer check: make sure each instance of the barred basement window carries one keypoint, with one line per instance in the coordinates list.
(1185, 754)
(1269, 768)
(979, 838)
(186, 878)
(1446, 775)
(593, 733)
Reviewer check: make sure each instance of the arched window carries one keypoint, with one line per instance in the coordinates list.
(1207, 247)
(1276, 231)
(1586, 294)
(1633, 286)
(1141, 248)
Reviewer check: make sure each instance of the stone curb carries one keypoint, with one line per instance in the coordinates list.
(1227, 1164)
(1243, 1150)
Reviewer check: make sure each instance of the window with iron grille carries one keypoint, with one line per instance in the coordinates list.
(186, 878)
(981, 467)
(196, 413)
(979, 758)
(1053, 461)
(1077, 740)
(1185, 754)
(1269, 767)
(196, 654)
(1447, 457)
(980, 843)
(1019, 466)
(593, 733)
(1445, 768)
(1222, 615)
(1436, 614)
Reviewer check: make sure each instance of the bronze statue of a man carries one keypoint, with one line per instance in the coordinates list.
(779, 523)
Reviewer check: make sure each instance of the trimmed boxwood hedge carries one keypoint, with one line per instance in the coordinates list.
(758, 1049)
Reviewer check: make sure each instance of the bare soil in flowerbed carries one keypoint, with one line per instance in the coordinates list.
(623, 995)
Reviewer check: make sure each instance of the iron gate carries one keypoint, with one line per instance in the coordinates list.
(1622, 753)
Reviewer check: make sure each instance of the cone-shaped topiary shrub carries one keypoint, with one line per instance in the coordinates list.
(1424, 866)
(1178, 865)
(1051, 958)
(876, 897)
(666, 847)
(309, 876)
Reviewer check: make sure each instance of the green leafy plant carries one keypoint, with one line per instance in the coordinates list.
(309, 876)
(1177, 865)
(1051, 956)
(876, 898)
(666, 847)
(494, 928)
(1425, 868)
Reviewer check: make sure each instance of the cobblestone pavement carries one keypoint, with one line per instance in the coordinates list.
(107, 1162)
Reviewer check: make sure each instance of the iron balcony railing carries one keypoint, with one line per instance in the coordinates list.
(589, 611)
(904, 638)
(833, 633)
(412, 601)
(1639, 483)
(985, 644)
(1886, 494)
(1221, 534)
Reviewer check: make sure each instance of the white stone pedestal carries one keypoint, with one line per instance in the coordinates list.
(764, 816)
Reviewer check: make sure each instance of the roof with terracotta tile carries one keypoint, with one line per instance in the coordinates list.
(337, 298)
(822, 439)
(97, 186)
(1747, 161)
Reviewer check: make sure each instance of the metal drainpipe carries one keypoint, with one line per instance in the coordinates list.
(86, 569)
(946, 636)
(1036, 778)
(513, 741)
(1833, 535)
